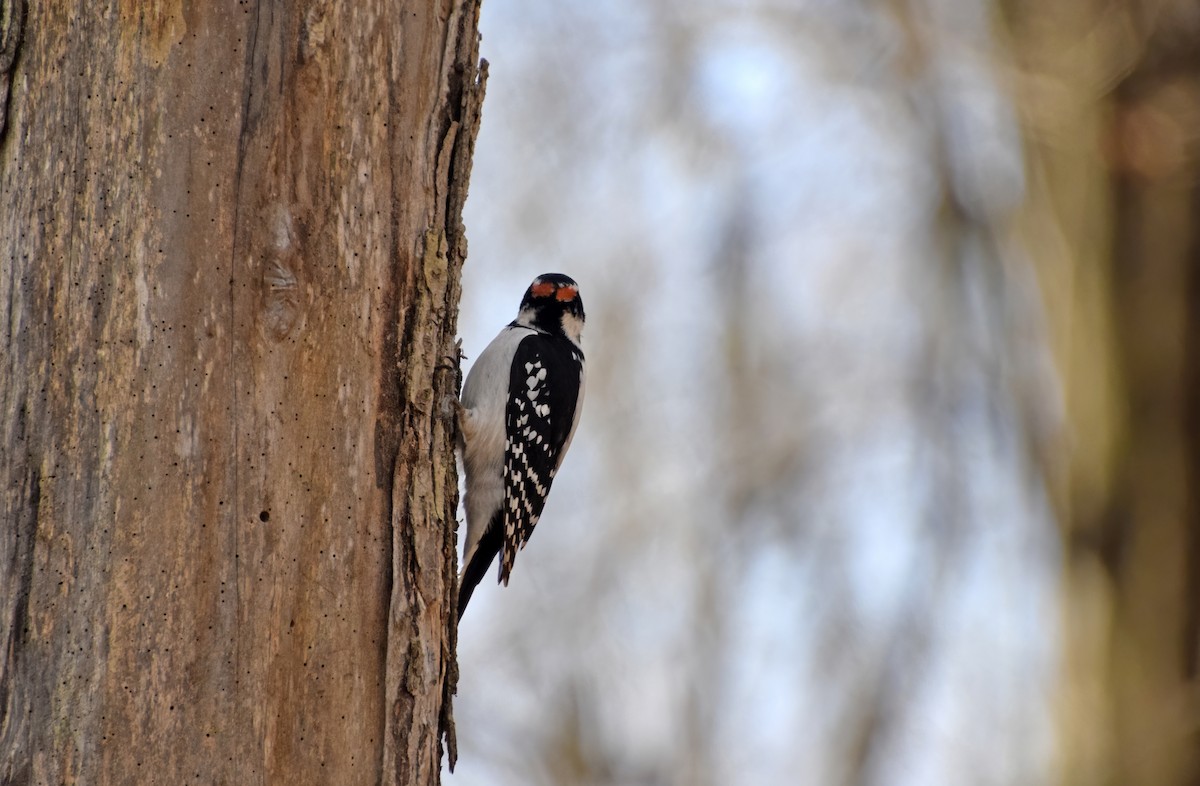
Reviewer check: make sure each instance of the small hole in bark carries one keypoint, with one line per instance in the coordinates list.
(264, 516)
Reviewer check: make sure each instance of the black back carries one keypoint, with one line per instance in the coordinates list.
(545, 375)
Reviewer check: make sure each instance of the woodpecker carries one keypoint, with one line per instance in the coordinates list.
(520, 406)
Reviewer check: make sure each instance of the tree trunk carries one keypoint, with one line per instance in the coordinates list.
(1153, 516)
(231, 244)
(1114, 97)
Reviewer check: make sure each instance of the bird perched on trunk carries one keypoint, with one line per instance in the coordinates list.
(520, 406)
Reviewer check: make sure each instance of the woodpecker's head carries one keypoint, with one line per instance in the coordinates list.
(552, 304)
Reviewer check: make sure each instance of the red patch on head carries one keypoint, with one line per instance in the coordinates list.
(566, 293)
(542, 289)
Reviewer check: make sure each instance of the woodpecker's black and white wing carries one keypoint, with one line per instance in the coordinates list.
(546, 394)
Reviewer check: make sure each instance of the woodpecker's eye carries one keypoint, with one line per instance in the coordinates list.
(543, 289)
(566, 293)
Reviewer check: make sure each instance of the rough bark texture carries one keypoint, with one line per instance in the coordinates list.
(230, 243)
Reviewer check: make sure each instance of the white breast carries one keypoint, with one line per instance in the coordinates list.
(485, 396)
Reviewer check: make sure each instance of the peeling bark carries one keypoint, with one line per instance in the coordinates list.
(231, 245)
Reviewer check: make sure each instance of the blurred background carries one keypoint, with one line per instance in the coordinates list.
(887, 467)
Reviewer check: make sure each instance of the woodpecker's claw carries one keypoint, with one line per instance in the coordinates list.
(452, 407)
(450, 403)
(453, 362)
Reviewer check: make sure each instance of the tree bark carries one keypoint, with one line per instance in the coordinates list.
(1152, 521)
(231, 244)
(1114, 96)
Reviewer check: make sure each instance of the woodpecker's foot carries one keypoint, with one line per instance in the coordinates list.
(452, 362)
(461, 416)
(452, 407)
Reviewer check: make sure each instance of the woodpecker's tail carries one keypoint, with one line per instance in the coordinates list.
(485, 551)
